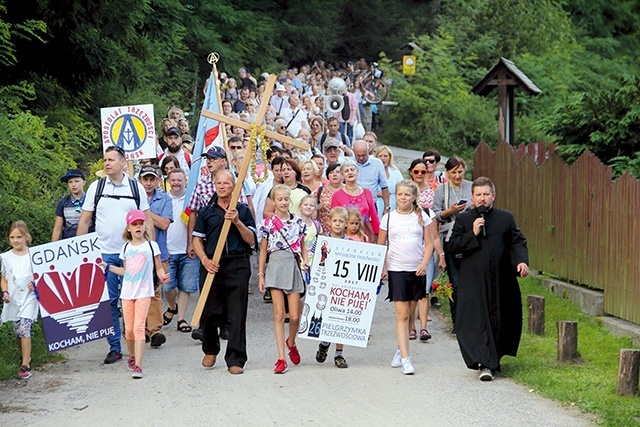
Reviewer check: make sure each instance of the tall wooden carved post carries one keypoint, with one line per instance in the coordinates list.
(505, 76)
(242, 173)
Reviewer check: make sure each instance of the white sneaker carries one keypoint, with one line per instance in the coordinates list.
(407, 367)
(485, 374)
(397, 360)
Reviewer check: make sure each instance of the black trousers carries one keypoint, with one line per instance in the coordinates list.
(227, 301)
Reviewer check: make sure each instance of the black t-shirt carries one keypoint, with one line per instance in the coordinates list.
(209, 225)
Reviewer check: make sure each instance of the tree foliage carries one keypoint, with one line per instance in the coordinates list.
(582, 54)
(62, 60)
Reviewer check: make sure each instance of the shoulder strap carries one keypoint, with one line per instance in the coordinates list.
(343, 138)
(388, 217)
(322, 139)
(135, 192)
(446, 195)
(133, 185)
(319, 192)
(65, 200)
(99, 191)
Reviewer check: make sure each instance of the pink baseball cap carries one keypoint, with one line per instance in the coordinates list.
(135, 215)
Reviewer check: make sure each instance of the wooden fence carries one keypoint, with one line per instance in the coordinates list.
(580, 224)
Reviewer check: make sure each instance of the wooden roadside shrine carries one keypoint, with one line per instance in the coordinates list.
(242, 173)
(506, 77)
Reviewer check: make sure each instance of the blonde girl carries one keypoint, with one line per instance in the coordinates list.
(410, 246)
(18, 291)
(338, 218)
(283, 243)
(308, 212)
(354, 226)
(140, 256)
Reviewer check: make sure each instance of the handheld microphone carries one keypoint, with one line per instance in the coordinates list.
(481, 211)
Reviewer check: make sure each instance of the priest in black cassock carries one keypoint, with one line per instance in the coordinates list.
(494, 253)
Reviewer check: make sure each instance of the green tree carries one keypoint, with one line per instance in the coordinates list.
(605, 122)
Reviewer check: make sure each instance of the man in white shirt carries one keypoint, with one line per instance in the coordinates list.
(295, 116)
(120, 194)
(184, 269)
(174, 148)
(279, 101)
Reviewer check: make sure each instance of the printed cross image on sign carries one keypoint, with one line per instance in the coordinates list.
(74, 300)
(131, 128)
(341, 295)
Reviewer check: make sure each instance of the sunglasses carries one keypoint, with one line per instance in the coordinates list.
(115, 148)
(431, 161)
(419, 172)
(235, 147)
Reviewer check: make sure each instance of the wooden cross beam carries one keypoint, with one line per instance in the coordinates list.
(247, 126)
(242, 173)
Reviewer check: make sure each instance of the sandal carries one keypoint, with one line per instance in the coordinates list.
(413, 335)
(185, 326)
(166, 319)
(424, 335)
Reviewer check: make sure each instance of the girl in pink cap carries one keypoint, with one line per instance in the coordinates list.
(140, 256)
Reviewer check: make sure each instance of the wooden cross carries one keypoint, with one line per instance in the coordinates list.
(242, 173)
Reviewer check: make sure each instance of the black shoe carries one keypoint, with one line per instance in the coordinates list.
(321, 354)
(224, 333)
(267, 297)
(158, 339)
(147, 338)
(197, 334)
(112, 357)
(435, 302)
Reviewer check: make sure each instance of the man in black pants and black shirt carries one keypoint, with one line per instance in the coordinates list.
(228, 297)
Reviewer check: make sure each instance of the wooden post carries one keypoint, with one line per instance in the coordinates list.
(628, 369)
(567, 341)
(535, 304)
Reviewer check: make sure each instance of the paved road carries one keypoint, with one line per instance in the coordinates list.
(177, 391)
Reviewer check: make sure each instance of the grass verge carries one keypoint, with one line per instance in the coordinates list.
(10, 350)
(589, 384)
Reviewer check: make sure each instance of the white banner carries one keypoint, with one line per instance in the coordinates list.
(73, 297)
(341, 297)
(131, 128)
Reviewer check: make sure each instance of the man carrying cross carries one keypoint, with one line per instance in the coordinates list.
(228, 298)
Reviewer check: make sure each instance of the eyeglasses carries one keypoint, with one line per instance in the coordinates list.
(419, 172)
(77, 205)
(431, 161)
(235, 147)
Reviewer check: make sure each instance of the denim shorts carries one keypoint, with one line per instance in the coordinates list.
(184, 274)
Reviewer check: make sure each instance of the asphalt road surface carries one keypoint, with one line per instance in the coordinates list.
(177, 391)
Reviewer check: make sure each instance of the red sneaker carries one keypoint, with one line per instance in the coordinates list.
(281, 367)
(294, 354)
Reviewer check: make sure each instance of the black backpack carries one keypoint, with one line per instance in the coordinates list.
(133, 185)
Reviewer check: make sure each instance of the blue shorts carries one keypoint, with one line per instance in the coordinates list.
(184, 274)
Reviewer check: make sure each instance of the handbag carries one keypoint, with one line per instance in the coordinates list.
(358, 130)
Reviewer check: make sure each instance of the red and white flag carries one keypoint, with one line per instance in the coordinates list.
(209, 134)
